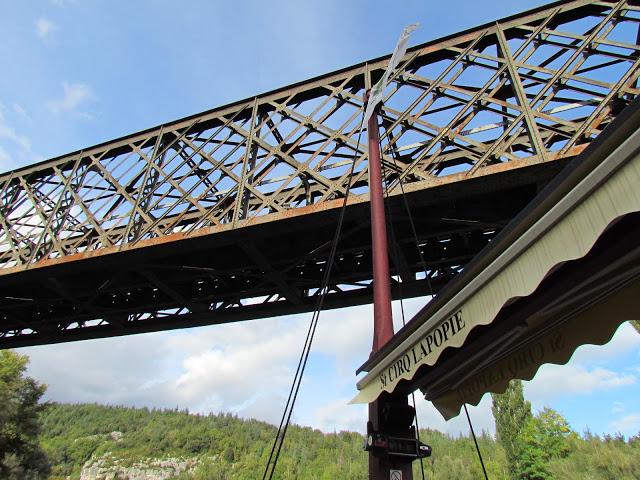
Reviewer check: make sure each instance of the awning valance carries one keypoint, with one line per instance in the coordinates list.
(566, 232)
(595, 325)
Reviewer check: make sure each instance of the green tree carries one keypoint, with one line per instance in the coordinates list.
(551, 433)
(511, 413)
(543, 438)
(21, 457)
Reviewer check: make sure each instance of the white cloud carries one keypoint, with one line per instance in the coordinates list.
(553, 381)
(238, 371)
(247, 368)
(586, 373)
(481, 418)
(9, 133)
(627, 425)
(44, 27)
(345, 334)
(75, 94)
(338, 415)
(625, 339)
(244, 368)
(17, 149)
(114, 370)
(20, 111)
(62, 3)
(266, 406)
(618, 407)
(5, 159)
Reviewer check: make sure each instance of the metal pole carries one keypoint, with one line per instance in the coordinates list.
(380, 467)
(382, 316)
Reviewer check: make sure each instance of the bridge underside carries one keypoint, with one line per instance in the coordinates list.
(228, 215)
(268, 269)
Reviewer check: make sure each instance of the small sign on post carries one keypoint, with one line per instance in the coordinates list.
(396, 475)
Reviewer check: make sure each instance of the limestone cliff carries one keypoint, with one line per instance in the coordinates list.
(109, 468)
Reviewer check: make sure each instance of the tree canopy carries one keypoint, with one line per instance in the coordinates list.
(511, 413)
(228, 447)
(21, 457)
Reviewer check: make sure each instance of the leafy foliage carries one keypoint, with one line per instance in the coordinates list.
(511, 413)
(21, 457)
(236, 447)
(543, 446)
(232, 448)
(530, 442)
(456, 458)
(543, 439)
(595, 458)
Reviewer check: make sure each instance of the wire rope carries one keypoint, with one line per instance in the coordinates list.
(276, 448)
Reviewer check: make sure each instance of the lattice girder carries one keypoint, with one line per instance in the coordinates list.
(527, 90)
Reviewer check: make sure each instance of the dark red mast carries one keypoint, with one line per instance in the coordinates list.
(382, 316)
(389, 413)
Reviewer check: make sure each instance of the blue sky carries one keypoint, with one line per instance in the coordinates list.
(79, 72)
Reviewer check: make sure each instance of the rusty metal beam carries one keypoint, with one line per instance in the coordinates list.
(492, 103)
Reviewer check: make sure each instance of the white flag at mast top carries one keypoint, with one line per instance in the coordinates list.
(378, 89)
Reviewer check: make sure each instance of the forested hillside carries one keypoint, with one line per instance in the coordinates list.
(226, 447)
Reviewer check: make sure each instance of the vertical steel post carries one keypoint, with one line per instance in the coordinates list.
(379, 467)
(382, 316)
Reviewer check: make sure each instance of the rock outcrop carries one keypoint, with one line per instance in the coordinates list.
(108, 468)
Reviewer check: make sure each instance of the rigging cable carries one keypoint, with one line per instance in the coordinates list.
(475, 441)
(274, 455)
(411, 222)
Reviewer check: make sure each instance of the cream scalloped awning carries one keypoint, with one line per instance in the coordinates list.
(596, 325)
(566, 232)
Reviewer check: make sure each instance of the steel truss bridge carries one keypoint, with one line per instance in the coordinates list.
(228, 215)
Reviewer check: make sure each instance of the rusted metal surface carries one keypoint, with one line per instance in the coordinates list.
(533, 89)
(382, 315)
